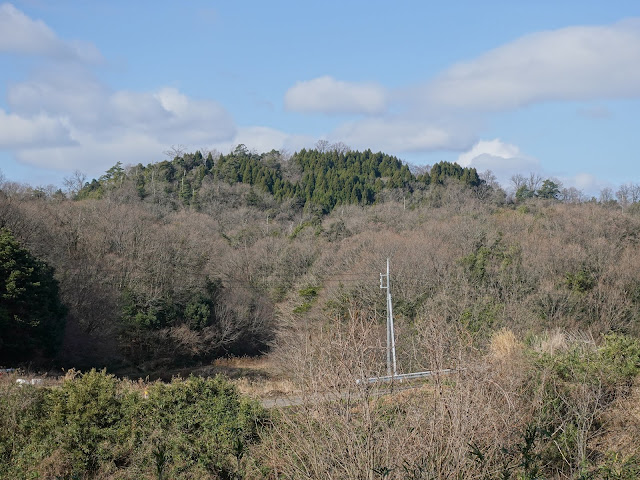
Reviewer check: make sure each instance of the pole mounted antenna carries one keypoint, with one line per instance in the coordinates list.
(385, 284)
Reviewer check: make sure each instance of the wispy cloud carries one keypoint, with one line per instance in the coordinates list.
(22, 35)
(18, 131)
(595, 111)
(400, 134)
(331, 96)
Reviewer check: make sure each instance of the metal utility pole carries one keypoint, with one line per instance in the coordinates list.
(391, 339)
(392, 372)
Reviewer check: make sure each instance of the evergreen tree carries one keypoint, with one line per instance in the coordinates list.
(32, 318)
(549, 189)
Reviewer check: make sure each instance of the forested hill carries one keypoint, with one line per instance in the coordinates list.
(162, 269)
(322, 179)
(155, 264)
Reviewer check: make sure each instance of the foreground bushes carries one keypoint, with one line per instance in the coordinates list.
(553, 408)
(96, 426)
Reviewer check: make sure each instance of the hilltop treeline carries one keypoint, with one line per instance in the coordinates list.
(312, 178)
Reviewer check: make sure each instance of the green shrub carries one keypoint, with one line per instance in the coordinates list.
(615, 362)
(303, 308)
(198, 425)
(615, 468)
(22, 408)
(94, 425)
(575, 386)
(581, 281)
(620, 355)
(86, 420)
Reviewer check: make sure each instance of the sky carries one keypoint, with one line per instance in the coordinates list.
(549, 87)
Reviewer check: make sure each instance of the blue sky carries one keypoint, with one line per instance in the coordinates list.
(516, 87)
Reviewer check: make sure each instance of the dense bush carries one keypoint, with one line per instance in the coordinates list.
(96, 426)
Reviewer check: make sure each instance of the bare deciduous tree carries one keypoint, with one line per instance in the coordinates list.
(339, 147)
(322, 145)
(174, 151)
(74, 183)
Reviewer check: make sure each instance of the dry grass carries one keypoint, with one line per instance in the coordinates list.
(31, 378)
(255, 376)
(265, 387)
(558, 341)
(555, 341)
(252, 363)
(504, 345)
(252, 376)
(622, 424)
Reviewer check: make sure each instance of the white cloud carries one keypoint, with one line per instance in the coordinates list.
(196, 120)
(503, 159)
(586, 182)
(62, 91)
(89, 105)
(62, 117)
(94, 155)
(66, 119)
(265, 139)
(22, 35)
(102, 127)
(493, 148)
(141, 109)
(130, 127)
(573, 63)
(400, 134)
(23, 132)
(328, 95)
(506, 160)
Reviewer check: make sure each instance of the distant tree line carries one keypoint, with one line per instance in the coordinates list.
(323, 177)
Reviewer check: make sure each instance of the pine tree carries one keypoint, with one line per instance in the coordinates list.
(32, 318)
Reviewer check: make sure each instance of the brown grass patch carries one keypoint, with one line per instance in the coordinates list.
(504, 345)
(622, 424)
